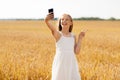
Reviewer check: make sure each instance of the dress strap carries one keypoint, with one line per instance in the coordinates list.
(61, 33)
(72, 34)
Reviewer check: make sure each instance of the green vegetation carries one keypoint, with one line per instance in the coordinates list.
(95, 18)
(81, 18)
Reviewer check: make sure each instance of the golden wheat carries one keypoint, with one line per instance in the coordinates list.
(27, 49)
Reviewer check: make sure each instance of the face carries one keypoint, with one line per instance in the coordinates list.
(66, 21)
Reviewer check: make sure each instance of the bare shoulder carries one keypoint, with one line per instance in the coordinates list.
(73, 35)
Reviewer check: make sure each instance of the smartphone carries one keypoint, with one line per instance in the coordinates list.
(50, 10)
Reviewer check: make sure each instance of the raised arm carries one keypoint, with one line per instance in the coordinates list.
(78, 43)
(54, 31)
(47, 21)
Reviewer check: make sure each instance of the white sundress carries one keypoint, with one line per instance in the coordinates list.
(65, 65)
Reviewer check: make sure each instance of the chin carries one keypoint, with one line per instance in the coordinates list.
(65, 25)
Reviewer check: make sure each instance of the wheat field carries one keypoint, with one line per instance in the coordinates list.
(27, 49)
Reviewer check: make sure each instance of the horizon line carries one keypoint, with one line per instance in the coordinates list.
(78, 18)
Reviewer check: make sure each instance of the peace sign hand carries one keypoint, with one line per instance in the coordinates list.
(82, 33)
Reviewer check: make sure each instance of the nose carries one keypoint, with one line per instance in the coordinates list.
(64, 20)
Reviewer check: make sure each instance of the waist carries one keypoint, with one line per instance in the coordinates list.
(65, 51)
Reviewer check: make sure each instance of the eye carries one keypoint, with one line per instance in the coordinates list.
(67, 19)
(62, 19)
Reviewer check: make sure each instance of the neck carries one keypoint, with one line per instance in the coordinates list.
(66, 33)
(65, 30)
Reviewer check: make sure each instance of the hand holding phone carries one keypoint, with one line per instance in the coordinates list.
(51, 13)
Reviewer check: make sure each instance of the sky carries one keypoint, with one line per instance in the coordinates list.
(36, 9)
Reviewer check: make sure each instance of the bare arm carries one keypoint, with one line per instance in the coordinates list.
(47, 21)
(78, 43)
(54, 31)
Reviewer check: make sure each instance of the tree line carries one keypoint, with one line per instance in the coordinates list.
(95, 18)
(82, 18)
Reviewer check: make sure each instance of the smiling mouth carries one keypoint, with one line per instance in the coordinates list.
(64, 23)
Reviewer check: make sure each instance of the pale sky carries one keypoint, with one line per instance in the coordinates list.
(35, 9)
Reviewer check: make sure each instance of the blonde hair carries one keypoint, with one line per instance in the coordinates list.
(59, 23)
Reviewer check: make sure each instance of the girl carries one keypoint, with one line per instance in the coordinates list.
(65, 65)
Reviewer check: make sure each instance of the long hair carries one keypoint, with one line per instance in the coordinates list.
(60, 27)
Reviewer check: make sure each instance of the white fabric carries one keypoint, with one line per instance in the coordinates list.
(65, 65)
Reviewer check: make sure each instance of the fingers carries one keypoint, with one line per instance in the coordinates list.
(50, 15)
(84, 30)
(82, 33)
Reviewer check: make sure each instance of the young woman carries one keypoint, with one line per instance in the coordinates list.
(65, 66)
